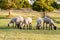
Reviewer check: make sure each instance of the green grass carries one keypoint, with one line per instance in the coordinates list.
(10, 33)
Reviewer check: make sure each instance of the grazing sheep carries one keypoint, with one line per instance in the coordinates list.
(50, 22)
(19, 21)
(12, 22)
(28, 22)
(39, 23)
(16, 21)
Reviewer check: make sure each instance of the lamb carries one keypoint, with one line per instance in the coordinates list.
(28, 22)
(13, 20)
(19, 21)
(39, 23)
(50, 22)
(16, 21)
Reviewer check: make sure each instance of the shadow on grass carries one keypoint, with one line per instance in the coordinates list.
(58, 22)
(33, 28)
(45, 32)
(4, 18)
(33, 31)
(7, 27)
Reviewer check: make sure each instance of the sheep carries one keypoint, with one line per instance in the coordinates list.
(39, 23)
(28, 22)
(50, 22)
(16, 20)
(13, 20)
(19, 21)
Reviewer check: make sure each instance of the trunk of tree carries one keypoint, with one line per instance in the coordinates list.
(10, 14)
(44, 14)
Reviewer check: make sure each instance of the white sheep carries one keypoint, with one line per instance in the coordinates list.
(17, 21)
(39, 23)
(28, 22)
(48, 21)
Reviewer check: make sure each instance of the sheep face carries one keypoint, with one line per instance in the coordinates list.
(11, 22)
(39, 22)
(55, 27)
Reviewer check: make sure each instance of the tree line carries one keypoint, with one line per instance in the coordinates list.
(15, 4)
(38, 5)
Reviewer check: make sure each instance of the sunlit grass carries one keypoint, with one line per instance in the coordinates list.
(10, 33)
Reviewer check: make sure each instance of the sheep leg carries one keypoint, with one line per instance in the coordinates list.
(49, 26)
(24, 26)
(27, 26)
(30, 26)
(46, 26)
(17, 25)
(43, 25)
(20, 26)
(13, 24)
(38, 27)
(8, 25)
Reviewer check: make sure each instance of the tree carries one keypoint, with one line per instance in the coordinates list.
(40, 5)
(15, 4)
(23, 4)
(26, 4)
(7, 4)
(2, 4)
(55, 5)
(43, 6)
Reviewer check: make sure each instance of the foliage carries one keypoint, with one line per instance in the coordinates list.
(16, 4)
(55, 5)
(40, 5)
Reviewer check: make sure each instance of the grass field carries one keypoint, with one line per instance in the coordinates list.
(10, 33)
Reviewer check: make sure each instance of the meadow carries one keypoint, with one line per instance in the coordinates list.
(10, 33)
